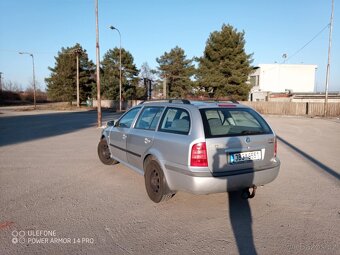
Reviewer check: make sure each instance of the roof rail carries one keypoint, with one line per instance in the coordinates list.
(227, 101)
(184, 101)
(175, 100)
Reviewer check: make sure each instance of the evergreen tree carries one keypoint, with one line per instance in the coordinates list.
(225, 67)
(177, 70)
(62, 83)
(111, 76)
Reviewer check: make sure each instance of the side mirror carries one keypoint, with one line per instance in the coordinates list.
(110, 123)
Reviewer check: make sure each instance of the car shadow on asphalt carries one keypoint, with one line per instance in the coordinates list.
(240, 215)
(320, 165)
(241, 223)
(24, 128)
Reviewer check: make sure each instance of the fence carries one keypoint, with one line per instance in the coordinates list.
(115, 104)
(291, 108)
(279, 108)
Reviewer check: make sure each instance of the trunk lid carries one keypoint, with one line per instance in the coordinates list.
(237, 138)
(240, 152)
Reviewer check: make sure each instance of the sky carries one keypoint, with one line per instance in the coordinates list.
(151, 27)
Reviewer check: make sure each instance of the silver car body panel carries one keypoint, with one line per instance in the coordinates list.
(211, 184)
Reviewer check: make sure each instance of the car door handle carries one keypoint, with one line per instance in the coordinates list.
(147, 140)
(124, 136)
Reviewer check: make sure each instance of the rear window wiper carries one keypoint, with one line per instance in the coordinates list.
(250, 132)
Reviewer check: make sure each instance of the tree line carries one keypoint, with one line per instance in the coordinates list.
(221, 72)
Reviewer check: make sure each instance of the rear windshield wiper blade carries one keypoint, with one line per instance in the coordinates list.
(249, 132)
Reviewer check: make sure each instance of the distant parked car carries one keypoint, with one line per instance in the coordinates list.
(192, 146)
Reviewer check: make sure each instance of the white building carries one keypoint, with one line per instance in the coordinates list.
(283, 78)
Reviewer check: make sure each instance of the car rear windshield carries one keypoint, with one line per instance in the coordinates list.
(221, 122)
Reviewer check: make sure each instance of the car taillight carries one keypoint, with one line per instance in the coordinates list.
(199, 155)
(275, 147)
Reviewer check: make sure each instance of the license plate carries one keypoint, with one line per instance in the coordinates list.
(244, 156)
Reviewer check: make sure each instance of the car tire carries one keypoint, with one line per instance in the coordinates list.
(155, 182)
(104, 153)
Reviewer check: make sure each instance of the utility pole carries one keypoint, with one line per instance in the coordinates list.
(1, 81)
(164, 87)
(99, 106)
(78, 52)
(329, 60)
(34, 89)
(78, 104)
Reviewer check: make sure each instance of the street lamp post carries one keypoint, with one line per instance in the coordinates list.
(99, 104)
(34, 90)
(120, 67)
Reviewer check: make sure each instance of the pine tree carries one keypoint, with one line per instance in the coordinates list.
(224, 69)
(62, 83)
(111, 76)
(177, 69)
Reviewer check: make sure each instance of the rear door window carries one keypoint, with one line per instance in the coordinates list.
(219, 122)
(149, 118)
(175, 120)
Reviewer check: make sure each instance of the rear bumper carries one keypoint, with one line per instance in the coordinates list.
(207, 183)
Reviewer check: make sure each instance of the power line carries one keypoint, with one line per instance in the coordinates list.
(304, 46)
(35, 52)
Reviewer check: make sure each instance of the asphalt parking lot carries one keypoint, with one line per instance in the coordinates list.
(57, 198)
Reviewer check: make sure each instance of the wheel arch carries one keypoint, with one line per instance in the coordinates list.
(167, 193)
(158, 157)
(105, 134)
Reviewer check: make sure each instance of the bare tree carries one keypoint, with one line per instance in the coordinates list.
(147, 72)
(11, 86)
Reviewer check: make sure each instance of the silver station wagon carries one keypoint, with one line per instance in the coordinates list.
(193, 146)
